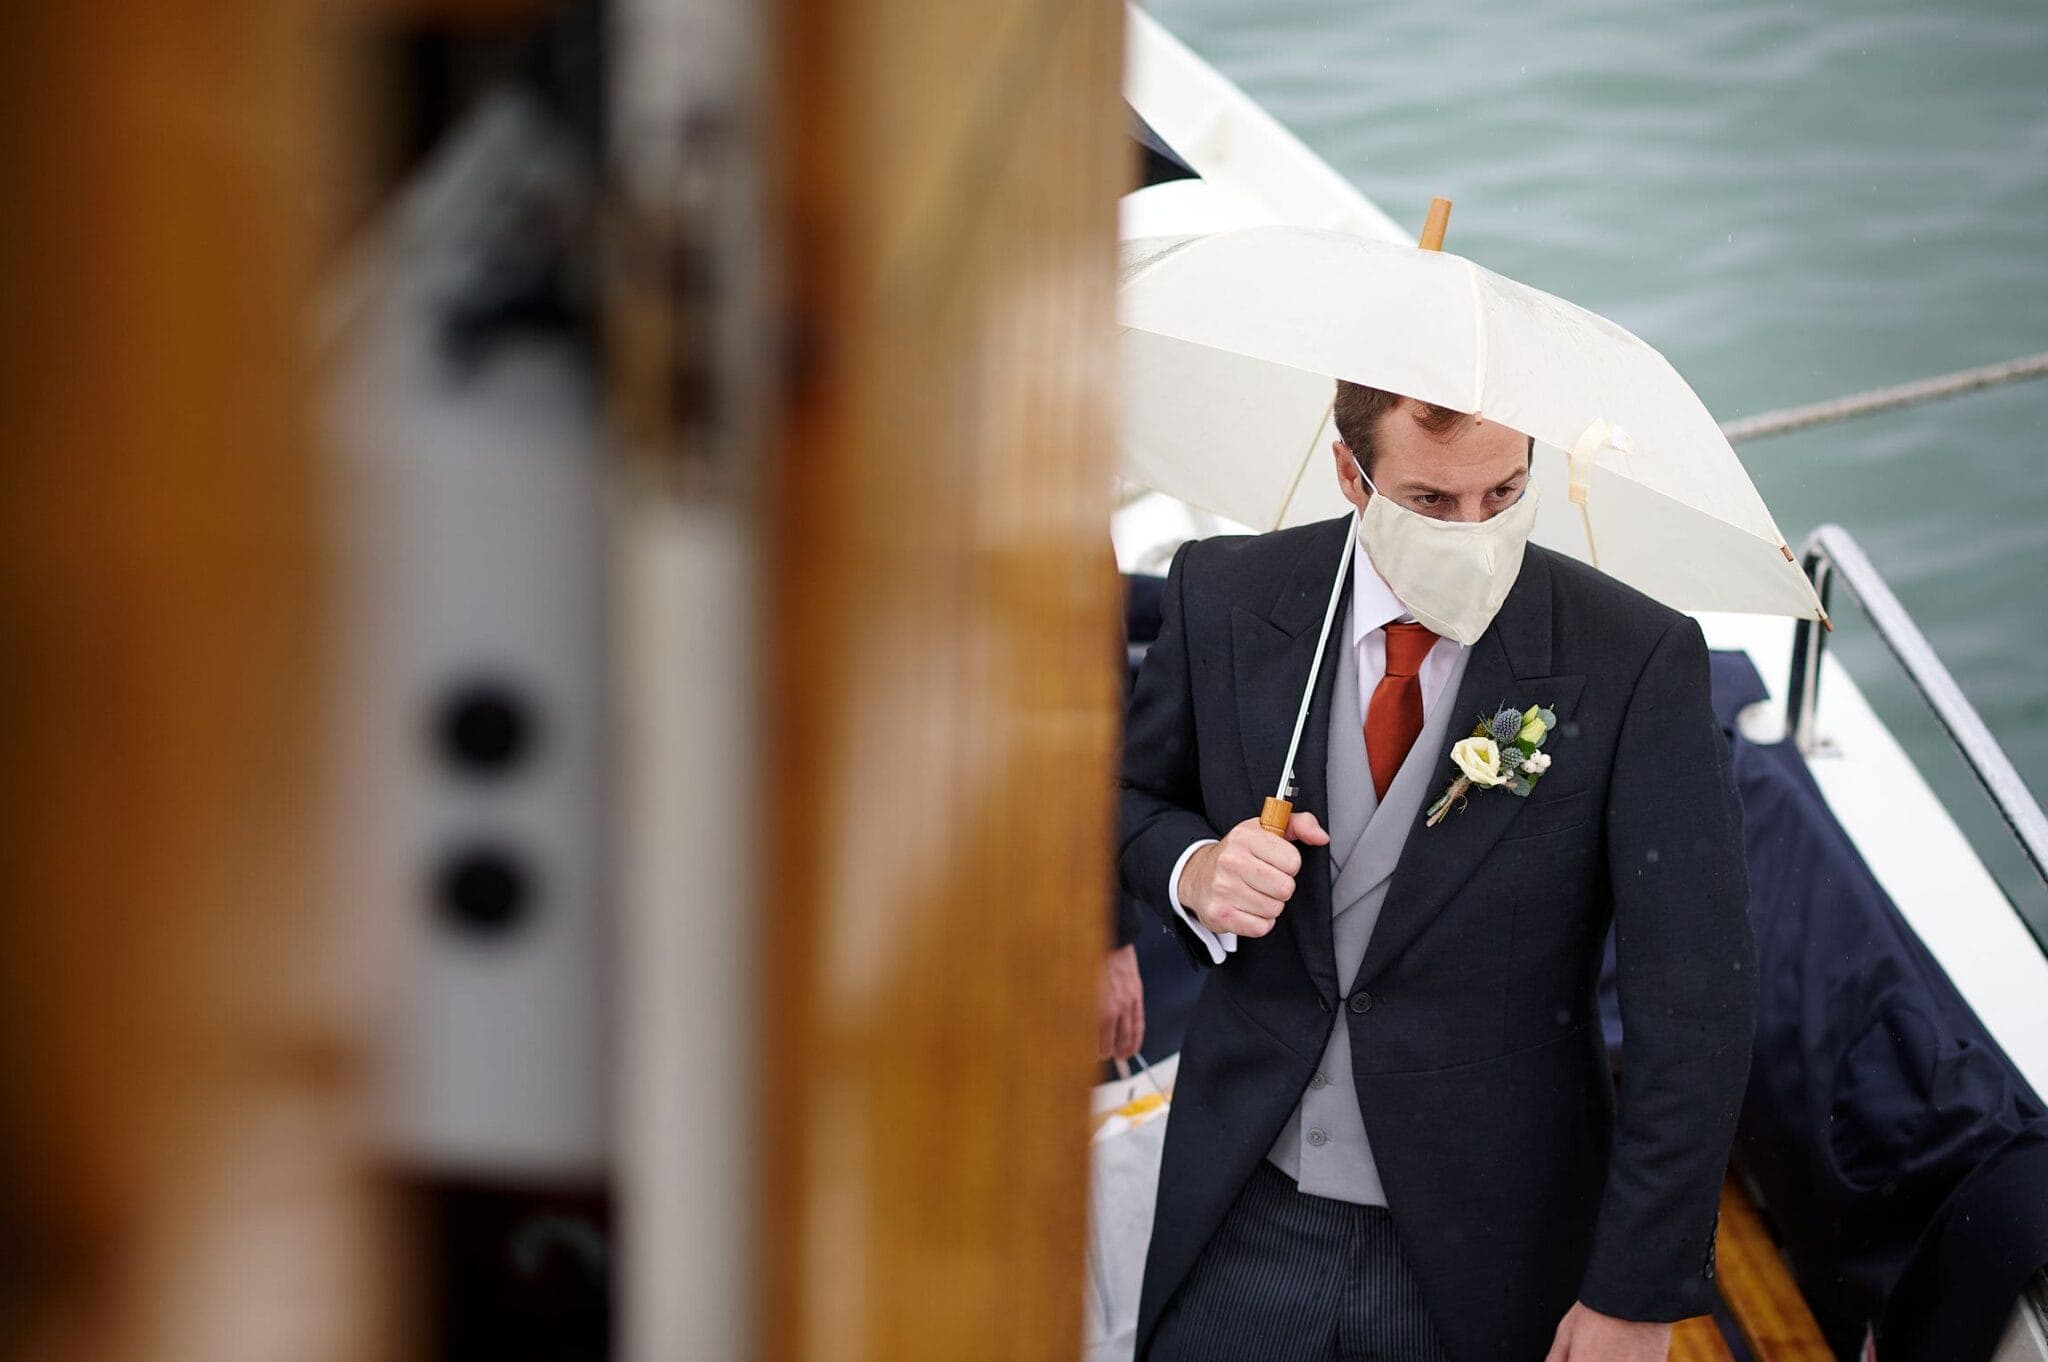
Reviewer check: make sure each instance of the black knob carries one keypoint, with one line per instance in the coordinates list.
(484, 728)
(484, 890)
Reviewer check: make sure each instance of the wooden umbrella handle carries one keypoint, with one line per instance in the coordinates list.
(1275, 816)
(1434, 225)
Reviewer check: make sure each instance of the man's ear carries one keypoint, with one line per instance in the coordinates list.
(1348, 481)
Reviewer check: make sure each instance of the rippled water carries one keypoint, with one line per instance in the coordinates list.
(1793, 203)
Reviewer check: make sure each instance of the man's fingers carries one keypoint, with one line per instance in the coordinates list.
(1252, 903)
(1274, 851)
(1261, 878)
(1130, 1030)
(1303, 827)
(1243, 923)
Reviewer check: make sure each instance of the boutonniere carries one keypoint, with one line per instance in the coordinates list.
(1501, 754)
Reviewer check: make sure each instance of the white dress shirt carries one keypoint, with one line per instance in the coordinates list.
(1373, 606)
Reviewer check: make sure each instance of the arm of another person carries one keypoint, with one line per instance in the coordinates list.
(1686, 973)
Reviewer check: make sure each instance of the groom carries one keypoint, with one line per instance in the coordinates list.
(1394, 1134)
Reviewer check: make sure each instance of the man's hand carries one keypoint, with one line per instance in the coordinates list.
(1121, 1009)
(1586, 1335)
(1241, 883)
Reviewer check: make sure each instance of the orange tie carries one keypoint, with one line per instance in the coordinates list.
(1394, 717)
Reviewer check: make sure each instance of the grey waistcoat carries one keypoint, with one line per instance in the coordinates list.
(1323, 1146)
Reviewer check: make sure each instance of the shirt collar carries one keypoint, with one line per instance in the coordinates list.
(1373, 602)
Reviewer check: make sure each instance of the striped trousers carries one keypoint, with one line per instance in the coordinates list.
(1290, 1277)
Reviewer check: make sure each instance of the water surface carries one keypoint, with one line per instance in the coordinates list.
(1793, 203)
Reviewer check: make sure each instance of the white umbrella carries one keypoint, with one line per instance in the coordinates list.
(1231, 340)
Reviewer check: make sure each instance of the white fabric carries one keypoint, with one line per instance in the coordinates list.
(1231, 340)
(1241, 152)
(1220, 944)
(1373, 607)
(1123, 1186)
(1451, 574)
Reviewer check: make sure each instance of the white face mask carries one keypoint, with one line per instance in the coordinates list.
(1452, 575)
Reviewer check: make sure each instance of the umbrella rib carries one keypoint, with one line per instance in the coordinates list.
(1302, 466)
(1478, 335)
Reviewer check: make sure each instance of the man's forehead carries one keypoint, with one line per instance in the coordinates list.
(1501, 453)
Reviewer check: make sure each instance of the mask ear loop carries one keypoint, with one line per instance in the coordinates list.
(1364, 477)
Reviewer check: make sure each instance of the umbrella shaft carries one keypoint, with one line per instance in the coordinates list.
(1315, 667)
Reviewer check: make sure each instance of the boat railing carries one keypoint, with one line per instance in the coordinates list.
(1831, 552)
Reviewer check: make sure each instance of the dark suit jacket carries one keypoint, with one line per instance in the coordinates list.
(1477, 1051)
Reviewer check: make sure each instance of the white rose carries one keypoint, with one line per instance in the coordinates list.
(1479, 759)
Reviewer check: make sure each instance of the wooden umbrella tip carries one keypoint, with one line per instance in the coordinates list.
(1434, 226)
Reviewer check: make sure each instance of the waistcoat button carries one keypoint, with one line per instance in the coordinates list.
(1361, 1001)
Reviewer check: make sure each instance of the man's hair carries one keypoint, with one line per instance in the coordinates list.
(1359, 408)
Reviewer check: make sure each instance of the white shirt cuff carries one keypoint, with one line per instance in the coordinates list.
(1219, 945)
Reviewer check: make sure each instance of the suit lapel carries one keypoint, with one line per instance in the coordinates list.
(1507, 666)
(1270, 659)
(1345, 767)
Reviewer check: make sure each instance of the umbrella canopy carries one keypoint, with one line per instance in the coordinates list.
(1232, 339)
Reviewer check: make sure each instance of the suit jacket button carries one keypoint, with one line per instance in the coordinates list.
(1361, 1001)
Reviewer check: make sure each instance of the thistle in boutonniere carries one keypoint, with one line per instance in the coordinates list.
(1502, 753)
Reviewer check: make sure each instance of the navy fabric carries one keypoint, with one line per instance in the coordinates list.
(1903, 1159)
(1171, 985)
(1170, 979)
(1291, 1277)
(1987, 1239)
(1899, 1153)
(1130, 924)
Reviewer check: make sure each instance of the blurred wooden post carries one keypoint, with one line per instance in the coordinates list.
(181, 1162)
(935, 812)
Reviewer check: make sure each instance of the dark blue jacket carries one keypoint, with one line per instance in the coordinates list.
(1481, 1074)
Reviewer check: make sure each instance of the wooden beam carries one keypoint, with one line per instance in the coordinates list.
(1699, 1340)
(935, 826)
(1758, 1286)
(181, 1061)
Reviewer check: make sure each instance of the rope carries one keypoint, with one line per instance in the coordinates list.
(1885, 399)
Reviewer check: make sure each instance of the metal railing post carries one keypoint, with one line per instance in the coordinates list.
(1802, 695)
(1831, 551)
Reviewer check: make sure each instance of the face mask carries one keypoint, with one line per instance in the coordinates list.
(1452, 575)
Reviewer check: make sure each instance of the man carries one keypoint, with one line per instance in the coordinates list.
(1394, 1133)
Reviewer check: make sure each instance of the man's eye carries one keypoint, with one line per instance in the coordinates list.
(1429, 498)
